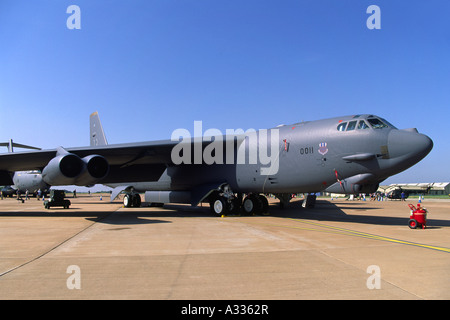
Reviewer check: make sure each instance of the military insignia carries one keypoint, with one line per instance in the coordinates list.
(323, 148)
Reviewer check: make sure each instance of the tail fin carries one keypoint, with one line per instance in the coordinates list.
(96, 131)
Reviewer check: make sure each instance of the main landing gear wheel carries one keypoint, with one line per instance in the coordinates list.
(219, 206)
(224, 201)
(255, 204)
(132, 200)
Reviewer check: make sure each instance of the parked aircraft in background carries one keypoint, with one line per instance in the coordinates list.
(350, 154)
(11, 144)
(30, 180)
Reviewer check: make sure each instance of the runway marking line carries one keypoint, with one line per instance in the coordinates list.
(348, 232)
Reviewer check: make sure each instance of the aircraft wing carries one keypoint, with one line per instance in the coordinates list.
(144, 161)
(138, 162)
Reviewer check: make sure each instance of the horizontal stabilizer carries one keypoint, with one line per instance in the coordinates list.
(11, 144)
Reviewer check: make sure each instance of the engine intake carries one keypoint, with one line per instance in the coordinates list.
(70, 165)
(69, 169)
(63, 169)
(96, 168)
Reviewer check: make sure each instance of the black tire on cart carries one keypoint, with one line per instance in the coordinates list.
(412, 223)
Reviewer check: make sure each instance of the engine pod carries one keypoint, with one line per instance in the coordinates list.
(63, 169)
(96, 168)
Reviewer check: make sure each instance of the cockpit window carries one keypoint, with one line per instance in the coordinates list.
(342, 126)
(388, 123)
(377, 123)
(351, 125)
(370, 122)
(362, 125)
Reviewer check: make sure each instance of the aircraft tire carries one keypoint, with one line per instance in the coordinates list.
(247, 206)
(264, 204)
(219, 206)
(132, 200)
(252, 204)
(234, 206)
(127, 201)
(136, 200)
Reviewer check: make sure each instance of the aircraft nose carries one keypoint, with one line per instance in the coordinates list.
(411, 144)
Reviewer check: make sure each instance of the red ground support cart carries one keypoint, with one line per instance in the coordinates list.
(418, 217)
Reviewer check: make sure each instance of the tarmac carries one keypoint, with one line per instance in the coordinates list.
(337, 250)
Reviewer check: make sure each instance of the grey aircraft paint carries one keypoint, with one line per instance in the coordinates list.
(29, 180)
(350, 154)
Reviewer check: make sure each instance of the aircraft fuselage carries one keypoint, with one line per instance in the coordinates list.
(348, 154)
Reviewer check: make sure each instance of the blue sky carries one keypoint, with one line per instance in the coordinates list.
(150, 67)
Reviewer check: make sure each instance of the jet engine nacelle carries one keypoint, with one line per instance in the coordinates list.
(69, 169)
(63, 169)
(96, 168)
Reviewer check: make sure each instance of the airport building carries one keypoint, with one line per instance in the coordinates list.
(435, 188)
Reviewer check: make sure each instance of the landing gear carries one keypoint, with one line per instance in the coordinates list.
(310, 201)
(255, 204)
(284, 199)
(224, 201)
(132, 200)
(218, 205)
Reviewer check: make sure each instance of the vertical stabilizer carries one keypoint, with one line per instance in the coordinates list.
(97, 135)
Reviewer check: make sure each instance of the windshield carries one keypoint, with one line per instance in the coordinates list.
(377, 123)
(362, 125)
(388, 123)
(358, 125)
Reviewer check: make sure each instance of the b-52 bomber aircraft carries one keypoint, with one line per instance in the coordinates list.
(350, 154)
